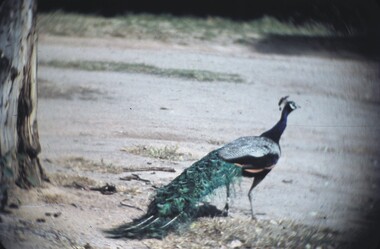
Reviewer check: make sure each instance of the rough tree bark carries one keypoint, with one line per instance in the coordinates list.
(19, 140)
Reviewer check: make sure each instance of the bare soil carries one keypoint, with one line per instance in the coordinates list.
(326, 182)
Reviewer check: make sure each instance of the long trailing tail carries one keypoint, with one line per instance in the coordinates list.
(147, 226)
(177, 203)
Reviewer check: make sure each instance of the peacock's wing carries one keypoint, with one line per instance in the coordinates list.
(257, 152)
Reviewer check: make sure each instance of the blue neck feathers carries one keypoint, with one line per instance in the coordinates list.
(277, 130)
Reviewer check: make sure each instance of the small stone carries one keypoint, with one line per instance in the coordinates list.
(235, 244)
(308, 246)
(41, 220)
(313, 213)
(273, 222)
(88, 246)
(288, 181)
(56, 215)
(258, 230)
(13, 206)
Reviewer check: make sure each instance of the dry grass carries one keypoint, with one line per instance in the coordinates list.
(167, 28)
(53, 198)
(189, 74)
(350, 149)
(131, 191)
(71, 180)
(170, 153)
(216, 142)
(246, 233)
(50, 90)
(81, 164)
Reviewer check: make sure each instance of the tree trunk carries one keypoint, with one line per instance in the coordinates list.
(19, 141)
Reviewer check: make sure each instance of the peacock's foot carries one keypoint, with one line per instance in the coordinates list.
(225, 211)
(253, 216)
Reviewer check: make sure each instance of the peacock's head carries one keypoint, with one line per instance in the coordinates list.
(288, 105)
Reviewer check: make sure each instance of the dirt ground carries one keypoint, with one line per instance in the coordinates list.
(93, 123)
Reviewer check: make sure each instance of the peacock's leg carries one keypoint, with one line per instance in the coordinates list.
(257, 179)
(227, 206)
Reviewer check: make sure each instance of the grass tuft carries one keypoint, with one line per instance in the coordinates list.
(170, 153)
(81, 164)
(53, 198)
(198, 75)
(168, 28)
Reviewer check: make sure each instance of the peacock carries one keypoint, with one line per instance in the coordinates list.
(178, 203)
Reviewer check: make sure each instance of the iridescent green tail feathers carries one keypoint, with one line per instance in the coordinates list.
(177, 204)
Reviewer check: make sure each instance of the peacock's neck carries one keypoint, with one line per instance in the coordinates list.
(277, 130)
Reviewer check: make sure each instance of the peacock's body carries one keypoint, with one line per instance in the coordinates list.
(178, 202)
